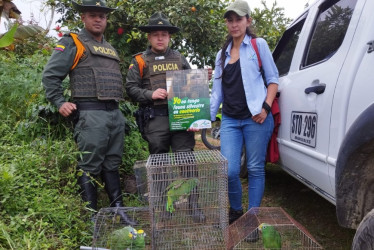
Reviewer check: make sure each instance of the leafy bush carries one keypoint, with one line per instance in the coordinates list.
(37, 188)
(40, 207)
(136, 147)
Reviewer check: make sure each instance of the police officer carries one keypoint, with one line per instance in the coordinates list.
(146, 84)
(96, 87)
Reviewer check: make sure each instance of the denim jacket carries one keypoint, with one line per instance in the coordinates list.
(255, 90)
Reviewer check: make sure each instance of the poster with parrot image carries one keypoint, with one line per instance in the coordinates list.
(188, 99)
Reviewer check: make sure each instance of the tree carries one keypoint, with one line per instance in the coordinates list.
(202, 25)
(201, 22)
(270, 23)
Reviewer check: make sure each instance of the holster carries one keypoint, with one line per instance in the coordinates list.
(73, 117)
(142, 116)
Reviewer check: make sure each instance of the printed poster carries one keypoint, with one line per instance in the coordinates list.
(188, 99)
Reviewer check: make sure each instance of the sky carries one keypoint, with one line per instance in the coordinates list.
(32, 10)
(292, 8)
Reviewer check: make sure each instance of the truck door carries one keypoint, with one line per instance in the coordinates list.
(307, 88)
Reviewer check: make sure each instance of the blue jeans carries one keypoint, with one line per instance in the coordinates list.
(256, 138)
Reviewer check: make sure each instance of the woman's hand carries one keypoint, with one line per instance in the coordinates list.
(260, 118)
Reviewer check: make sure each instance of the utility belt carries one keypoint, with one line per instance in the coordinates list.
(99, 105)
(144, 114)
(158, 112)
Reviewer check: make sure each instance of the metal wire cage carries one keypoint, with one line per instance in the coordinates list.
(108, 221)
(244, 233)
(141, 180)
(198, 218)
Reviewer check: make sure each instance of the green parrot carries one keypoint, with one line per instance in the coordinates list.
(123, 238)
(178, 189)
(271, 238)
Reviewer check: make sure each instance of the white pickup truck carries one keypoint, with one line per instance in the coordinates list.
(326, 140)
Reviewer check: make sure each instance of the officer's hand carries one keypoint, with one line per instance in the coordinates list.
(210, 73)
(159, 94)
(67, 108)
(193, 129)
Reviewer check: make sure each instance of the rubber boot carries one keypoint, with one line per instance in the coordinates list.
(88, 190)
(113, 189)
(196, 213)
(234, 215)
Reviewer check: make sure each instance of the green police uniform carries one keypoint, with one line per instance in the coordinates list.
(142, 80)
(96, 87)
(140, 88)
(99, 132)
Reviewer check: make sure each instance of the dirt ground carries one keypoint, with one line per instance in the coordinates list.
(312, 211)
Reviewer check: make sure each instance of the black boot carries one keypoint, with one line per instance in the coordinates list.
(196, 213)
(234, 215)
(113, 189)
(88, 190)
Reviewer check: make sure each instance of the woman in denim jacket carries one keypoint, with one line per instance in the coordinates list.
(246, 101)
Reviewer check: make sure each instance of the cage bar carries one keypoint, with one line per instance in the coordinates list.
(244, 233)
(107, 221)
(184, 227)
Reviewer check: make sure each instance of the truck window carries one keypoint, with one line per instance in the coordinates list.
(285, 48)
(329, 30)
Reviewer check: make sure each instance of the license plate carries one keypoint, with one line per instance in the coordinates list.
(304, 128)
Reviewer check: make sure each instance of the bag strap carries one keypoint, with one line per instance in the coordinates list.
(139, 59)
(80, 49)
(254, 45)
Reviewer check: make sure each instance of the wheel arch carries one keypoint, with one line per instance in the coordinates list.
(354, 174)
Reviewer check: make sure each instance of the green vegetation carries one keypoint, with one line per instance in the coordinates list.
(40, 207)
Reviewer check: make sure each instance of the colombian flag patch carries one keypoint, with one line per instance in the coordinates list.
(131, 65)
(60, 47)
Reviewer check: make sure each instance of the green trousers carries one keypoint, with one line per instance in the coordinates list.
(99, 135)
(161, 139)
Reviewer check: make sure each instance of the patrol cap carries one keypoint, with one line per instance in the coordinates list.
(158, 21)
(92, 5)
(240, 7)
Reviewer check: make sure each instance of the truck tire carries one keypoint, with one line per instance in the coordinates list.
(211, 136)
(364, 237)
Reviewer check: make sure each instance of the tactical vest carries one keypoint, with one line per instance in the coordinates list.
(98, 72)
(156, 70)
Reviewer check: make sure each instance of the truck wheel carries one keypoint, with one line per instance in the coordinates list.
(211, 136)
(364, 237)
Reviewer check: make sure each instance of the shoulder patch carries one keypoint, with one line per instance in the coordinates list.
(64, 43)
(131, 66)
(60, 47)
